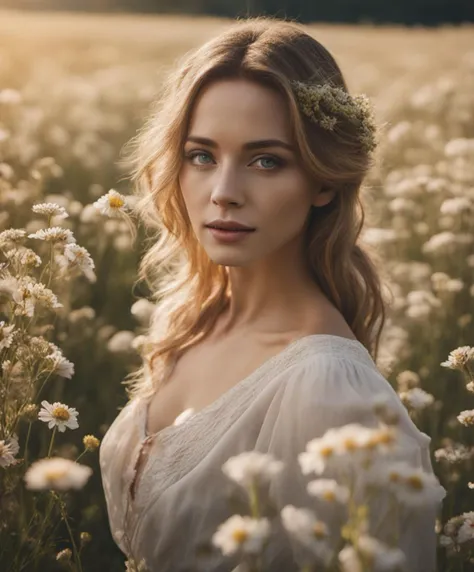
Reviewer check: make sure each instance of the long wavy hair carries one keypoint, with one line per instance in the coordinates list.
(190, 291)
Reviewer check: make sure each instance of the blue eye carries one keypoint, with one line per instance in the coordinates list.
(191, 156)
(277, 162)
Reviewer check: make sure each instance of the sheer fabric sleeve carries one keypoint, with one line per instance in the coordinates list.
(327, 391)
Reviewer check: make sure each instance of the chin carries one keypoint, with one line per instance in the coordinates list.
(227, 261)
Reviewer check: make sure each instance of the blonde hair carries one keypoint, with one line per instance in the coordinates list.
(189, 289)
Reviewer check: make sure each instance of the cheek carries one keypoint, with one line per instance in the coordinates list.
(288, 202)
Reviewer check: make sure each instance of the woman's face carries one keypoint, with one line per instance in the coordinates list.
(262, 186)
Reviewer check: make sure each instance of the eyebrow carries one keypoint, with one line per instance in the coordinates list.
(250, 145)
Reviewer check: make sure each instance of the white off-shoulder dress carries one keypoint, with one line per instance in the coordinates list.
(317, 382)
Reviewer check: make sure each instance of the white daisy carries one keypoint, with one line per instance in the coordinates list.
(466, 417)
(59, 415)
(50, 209)
(250, 467)
(328, 490)
(319, 452)
(304, 526)
(8, 449)
(112, 204)
(417, 398)
(61, 366)
(54, 234)
(241, 533)
(29, 294)
(382, 557)
(466, 531)
(56, 473)
(459, 357)
(412, 486)
(12, 235)
(78, 256)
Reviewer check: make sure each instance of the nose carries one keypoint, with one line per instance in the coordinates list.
(227, 187)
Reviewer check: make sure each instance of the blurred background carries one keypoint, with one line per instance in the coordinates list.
(77, 80)
(409, 12)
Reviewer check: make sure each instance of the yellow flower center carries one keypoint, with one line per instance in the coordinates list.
(327, 451)
(394, 477)
(350, 444)
(240, 535)
(61, 413)
(52, 475)
(318, 530)
(329, 496)
(116, 202)
(415, 482)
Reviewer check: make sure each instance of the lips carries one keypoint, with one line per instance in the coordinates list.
(232, 229)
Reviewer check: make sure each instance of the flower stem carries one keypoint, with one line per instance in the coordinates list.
(77, 559)
(25, 456)
(51, 442)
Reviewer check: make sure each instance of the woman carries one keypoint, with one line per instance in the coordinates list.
(269, 311)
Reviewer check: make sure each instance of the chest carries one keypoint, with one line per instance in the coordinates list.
(204, 373)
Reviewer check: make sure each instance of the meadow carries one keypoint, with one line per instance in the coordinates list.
(75, 88)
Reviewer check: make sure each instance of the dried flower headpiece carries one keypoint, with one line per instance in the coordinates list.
(327, 104)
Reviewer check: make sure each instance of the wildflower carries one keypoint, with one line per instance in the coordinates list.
(91, 443)
(55, 234)
(50, 209)
(443, 242)
(241, 533)
(64, 555)
(328, 490)
(456, 453)
(458, 147)
(407, 379)
(412, 486)
(132, 566)
(121, 342)
(56, 473)
(12, 235)
(250, 467)
(111, 204)
(417, 398)
(28, 294)
(304, 526)
(466, 417)
(142, 309)
(456, 205)
(8, 449)
(29, 412)
(466, 531)
(470, 386)
(60, 365)
(317, 455)
(24, 257)
(6, 335)
(379, 236)
(459, 357)
(382, 557)
(85, 538)
(77, 256)
(59, 415)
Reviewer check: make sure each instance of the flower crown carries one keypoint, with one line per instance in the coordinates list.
(327, 104)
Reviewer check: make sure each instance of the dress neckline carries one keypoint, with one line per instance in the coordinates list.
(355, 345)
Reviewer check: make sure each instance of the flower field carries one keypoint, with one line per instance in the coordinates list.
(73, 90)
